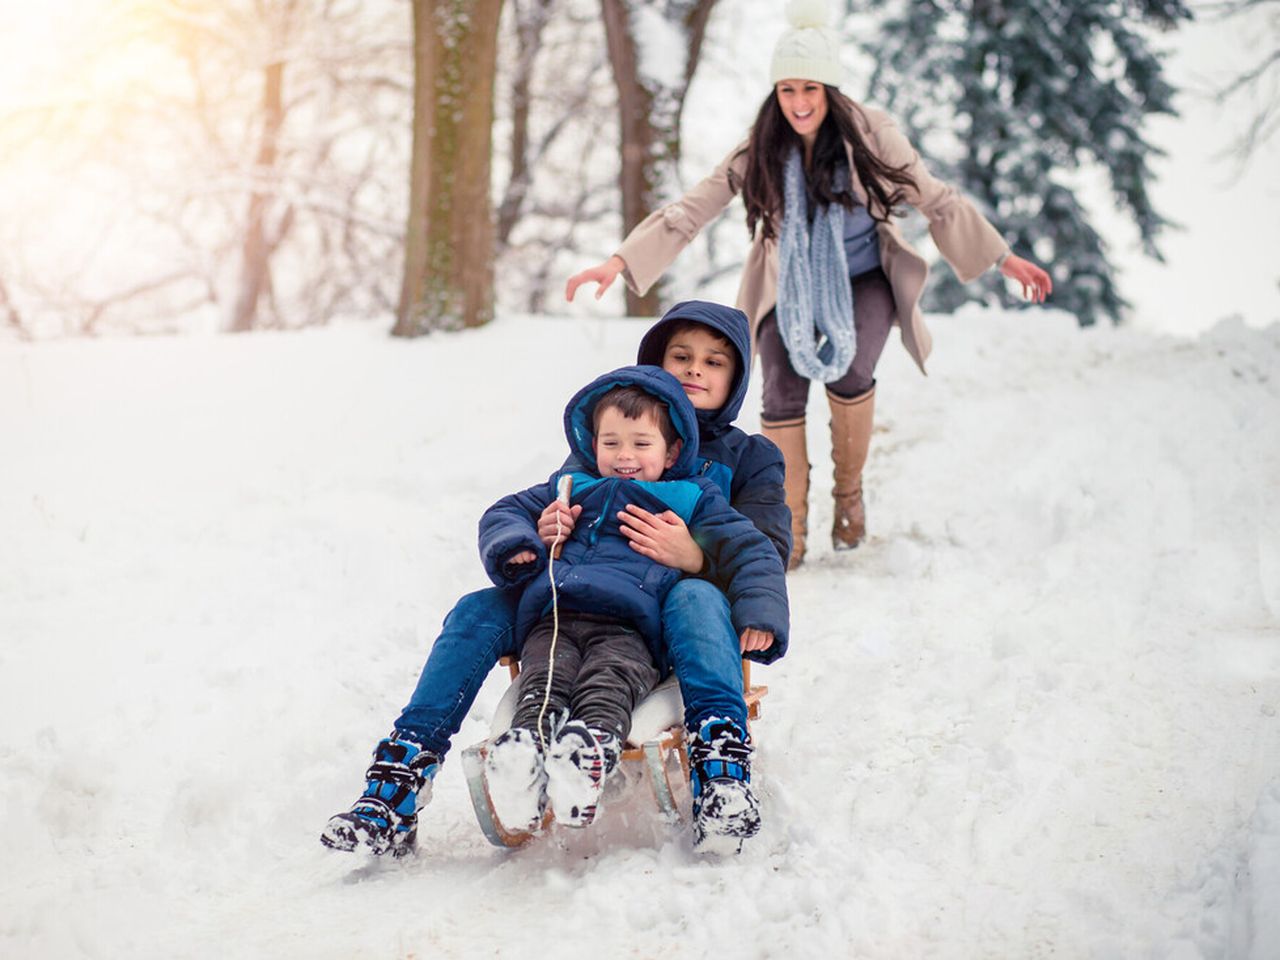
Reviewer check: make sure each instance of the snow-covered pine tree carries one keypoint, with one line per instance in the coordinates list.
(1008, 99)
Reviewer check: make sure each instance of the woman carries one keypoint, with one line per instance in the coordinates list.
(828, 272)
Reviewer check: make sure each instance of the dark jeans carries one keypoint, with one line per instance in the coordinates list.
(786, 393)
(602, 669)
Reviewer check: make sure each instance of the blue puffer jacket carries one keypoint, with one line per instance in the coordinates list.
(747, 468)
(599, 572)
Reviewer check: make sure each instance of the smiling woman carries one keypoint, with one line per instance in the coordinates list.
(828, 271)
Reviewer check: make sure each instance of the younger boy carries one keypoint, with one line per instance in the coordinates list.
(635, 434)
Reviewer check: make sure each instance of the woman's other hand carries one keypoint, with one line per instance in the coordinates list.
(662, 537)
(603, 274)
(557, 512)
(1036, 283)
(753, 639)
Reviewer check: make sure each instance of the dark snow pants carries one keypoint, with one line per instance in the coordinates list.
(786, 393)
(602, 669)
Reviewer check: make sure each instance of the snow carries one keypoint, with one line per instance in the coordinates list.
(1034, 715)
(516, 777)
(661, 45)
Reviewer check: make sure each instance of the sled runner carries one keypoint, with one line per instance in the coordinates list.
(656, 744)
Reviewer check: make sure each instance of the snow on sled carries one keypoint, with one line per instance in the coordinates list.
(655, 745)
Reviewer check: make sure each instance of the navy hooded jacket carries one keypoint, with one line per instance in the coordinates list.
(748, 468)
(598, 571)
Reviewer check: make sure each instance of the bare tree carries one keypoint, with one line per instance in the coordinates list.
(531, 18)
(253, 172)
(654, 50)
(555, 124)
(322, 68)
(1259, 78)
(12, 318)
(449, 246)
(260, 240)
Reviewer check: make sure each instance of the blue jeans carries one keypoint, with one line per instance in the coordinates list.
(705, 653)
(701, 644)
(478, 631)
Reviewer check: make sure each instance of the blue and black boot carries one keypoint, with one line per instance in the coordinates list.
(385, 818)
(725, 811)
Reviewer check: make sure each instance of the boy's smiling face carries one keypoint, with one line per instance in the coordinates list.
(705, 365)
(632, 449)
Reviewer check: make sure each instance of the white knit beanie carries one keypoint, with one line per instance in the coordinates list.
(810, 50)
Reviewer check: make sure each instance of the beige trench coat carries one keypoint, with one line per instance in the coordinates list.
(964, 237)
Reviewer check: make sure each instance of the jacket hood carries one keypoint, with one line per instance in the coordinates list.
(731, 324)
(652, 379)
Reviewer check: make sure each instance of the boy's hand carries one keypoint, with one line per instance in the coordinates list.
(753, 639)
(568, 516)
(524, 556)
(661, 537)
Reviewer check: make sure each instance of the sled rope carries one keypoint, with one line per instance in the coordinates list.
(563, 488)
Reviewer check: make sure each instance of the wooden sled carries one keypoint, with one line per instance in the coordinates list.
(655, 744)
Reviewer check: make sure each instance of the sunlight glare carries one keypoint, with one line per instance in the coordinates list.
(33, 40)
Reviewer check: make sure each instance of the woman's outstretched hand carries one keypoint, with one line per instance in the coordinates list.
(662, 537)
(602, 273)
(1036, 283)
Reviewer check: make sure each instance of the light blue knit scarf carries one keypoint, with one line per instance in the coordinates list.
(815, 299)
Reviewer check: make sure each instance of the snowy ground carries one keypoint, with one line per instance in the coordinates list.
(1035, 716)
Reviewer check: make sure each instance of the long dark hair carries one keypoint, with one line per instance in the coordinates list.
(772, 139)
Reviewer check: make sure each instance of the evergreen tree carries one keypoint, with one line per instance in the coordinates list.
(1027, 91)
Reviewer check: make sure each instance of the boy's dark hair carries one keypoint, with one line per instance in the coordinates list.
(635, 402)
(684, 325)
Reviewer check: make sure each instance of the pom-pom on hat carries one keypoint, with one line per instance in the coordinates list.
(810, 50)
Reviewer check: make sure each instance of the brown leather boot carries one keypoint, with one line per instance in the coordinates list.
(790, 439)
(850, 439)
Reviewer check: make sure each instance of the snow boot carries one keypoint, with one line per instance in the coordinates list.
(850, 440)
(517, 780)
(385, 818)
(725, 811)
(789, 437)
(579, 761)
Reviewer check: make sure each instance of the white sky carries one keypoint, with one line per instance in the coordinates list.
(30, 36)
(1225, 261)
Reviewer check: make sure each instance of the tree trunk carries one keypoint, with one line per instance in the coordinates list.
(11, 316)
(530, 21)
(448, 278)
(649, 113)
(255, 267)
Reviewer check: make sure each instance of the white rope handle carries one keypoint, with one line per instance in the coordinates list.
(564, 489)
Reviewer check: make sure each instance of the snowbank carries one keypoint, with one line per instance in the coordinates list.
(1035, 715)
